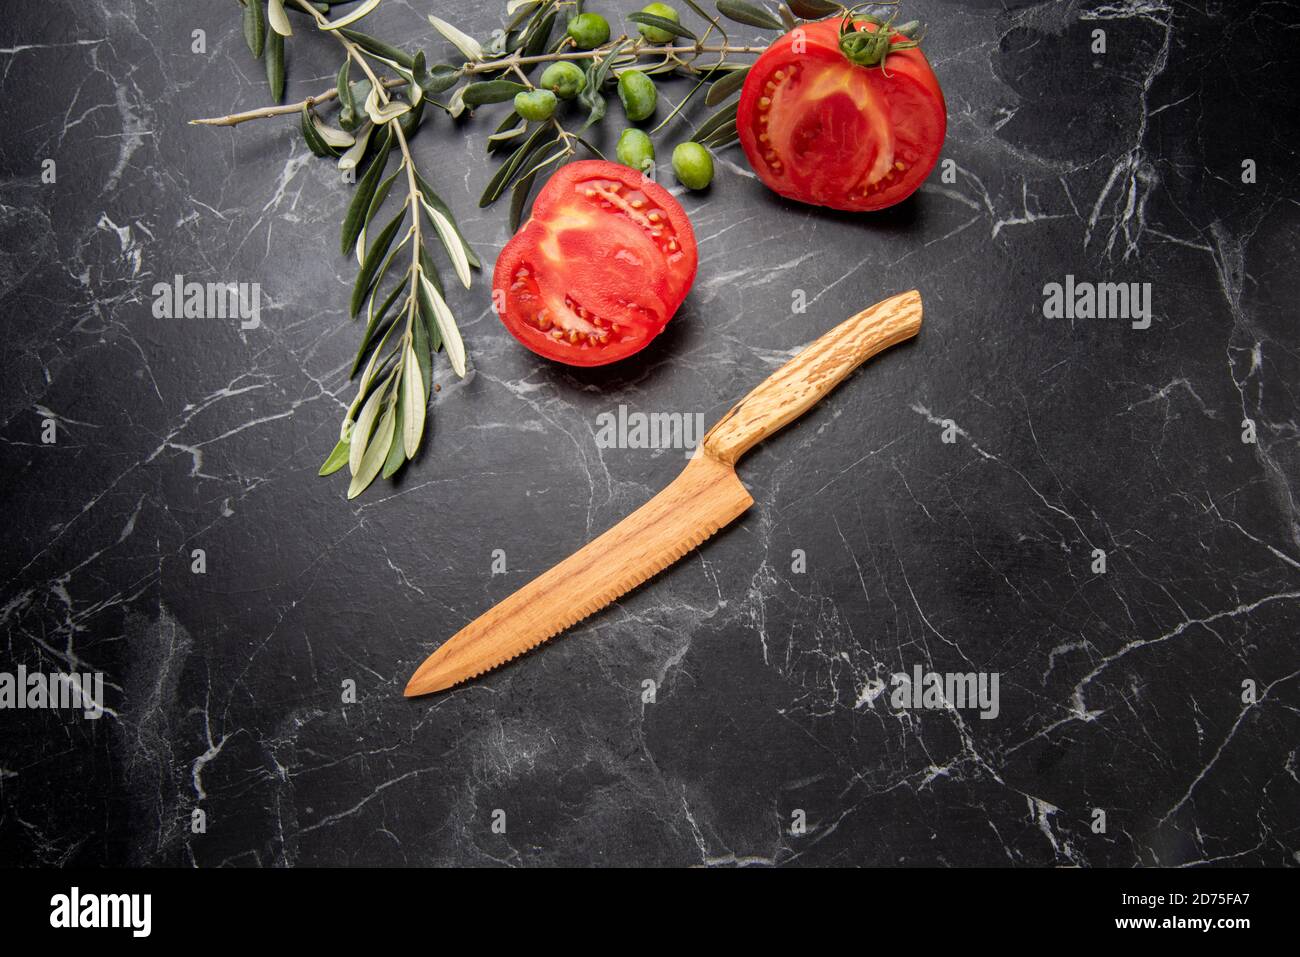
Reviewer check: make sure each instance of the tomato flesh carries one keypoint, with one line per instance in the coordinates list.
(603, 262)
(820, 129)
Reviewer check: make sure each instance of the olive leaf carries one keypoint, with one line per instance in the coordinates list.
(452, 241)
(436, 201)
(716, 122)
(370, 271)
(423, 353)
(418, 75)
(397, 450)
(537, 35)
(428, 269)
(535, 165)
(354, 220)
(374, 345)
(814, 9)
(336, 459)
(376, 452)
(491, 91)
(376, 201)
(334, 138)
(515, 6)
(750, 14)
(414, 90)
(456, 105)
(381, 113)
(591, 95)
(723, 88)
(365, 424)
(347, 106)
(447, 328)
(428, 317)
(663, 23)
(278, 19)
(349, 18)
(519, 199)
(710, 71)
(378, 360)
(348, 94)
(254, 27)
(593, 99)
(439, 79)
(501, 179)
(315, 142)
(354, 154)
(724, 135)
(723, 138)
(589, 147)
(498, 139)
(414, 402)
(521, 31)
(275, 65)
(461, 41)
(378, 326)
(379, 48)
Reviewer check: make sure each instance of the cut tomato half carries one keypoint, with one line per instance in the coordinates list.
(600, 267)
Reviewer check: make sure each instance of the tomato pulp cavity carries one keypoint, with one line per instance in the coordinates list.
(600, 267)
(818, 128)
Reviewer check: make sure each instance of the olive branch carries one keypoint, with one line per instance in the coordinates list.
(376, 115)
(407, 317)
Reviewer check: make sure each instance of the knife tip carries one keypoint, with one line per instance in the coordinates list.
(430, 677)
(420, 684)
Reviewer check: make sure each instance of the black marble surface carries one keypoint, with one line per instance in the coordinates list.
(1121, 692)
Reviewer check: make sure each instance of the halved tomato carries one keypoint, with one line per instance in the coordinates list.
(600, 267)
(821, 129)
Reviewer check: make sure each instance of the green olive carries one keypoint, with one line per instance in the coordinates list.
(635, 150)
(638, 93)
(589, 30)
(535, 104)
(654, 34)
(693, 165)
(564, 79)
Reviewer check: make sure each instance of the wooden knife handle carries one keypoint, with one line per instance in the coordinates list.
(799, 384)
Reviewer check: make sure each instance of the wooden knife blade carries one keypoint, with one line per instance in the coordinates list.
(705, 497)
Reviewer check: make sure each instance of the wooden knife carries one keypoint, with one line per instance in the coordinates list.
(704, 498)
